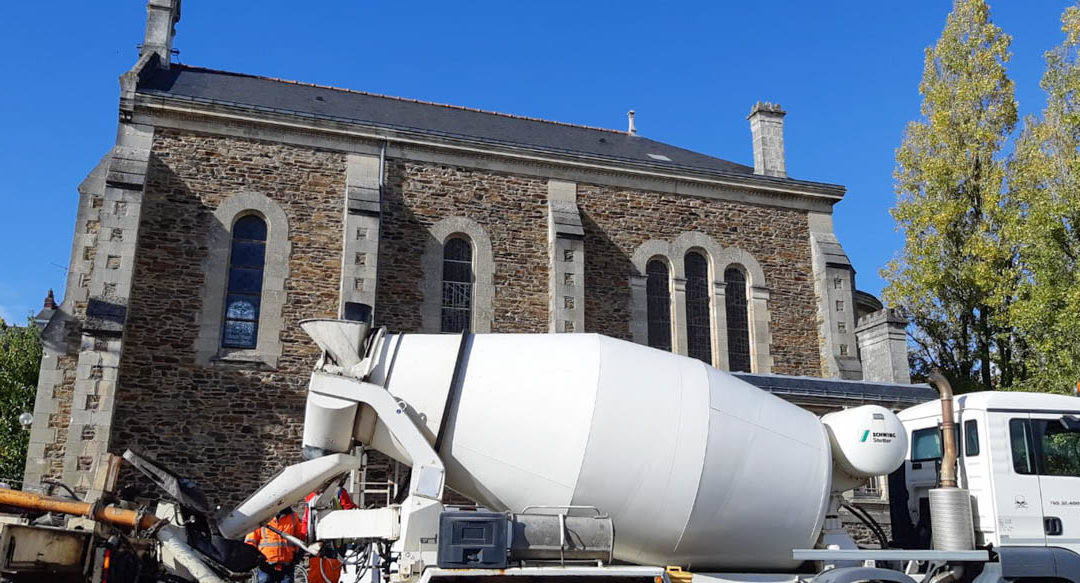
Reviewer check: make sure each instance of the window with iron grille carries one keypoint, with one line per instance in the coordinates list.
(738, 321)
(698, 327)
(457, 285)
(246, 262)
(870, 488)
(658, 304)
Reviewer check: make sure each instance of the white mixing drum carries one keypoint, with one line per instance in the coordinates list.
(696, 467)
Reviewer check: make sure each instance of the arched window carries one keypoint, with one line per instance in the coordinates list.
(658, 304)
(246, 262)
(738, 322)
(698, 326)
(457, 285)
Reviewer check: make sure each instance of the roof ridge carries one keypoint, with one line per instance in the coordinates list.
(407, 99)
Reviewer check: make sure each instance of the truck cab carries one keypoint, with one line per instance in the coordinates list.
(1019, 457)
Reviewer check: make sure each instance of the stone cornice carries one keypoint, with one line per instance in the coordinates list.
(222, 119)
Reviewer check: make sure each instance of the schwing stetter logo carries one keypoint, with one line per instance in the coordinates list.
(878, 436)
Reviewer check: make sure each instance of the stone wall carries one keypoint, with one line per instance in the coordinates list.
(230, 427)
(511, 209)
(617, 221)
(59, 421)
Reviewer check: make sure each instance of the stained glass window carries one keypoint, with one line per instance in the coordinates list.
(658, 298)
(738, 323)
(457, 285)
(698, 325)
(246, 261)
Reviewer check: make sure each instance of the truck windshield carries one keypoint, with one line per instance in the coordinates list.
(1053, 446)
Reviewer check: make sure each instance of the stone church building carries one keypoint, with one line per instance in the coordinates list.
(232, 206)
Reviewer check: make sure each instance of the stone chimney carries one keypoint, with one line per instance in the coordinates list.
(161, 19)
(767, 128)
(882, 339)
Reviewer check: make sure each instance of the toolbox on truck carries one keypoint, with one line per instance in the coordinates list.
(470, 540)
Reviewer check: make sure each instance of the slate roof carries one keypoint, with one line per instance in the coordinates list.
(862, 391)
(316, 101)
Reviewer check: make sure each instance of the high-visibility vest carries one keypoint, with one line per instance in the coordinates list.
(323, 570)
(342, 501)
(273, 546)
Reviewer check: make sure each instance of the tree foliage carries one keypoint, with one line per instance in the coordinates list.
(1044, 220)
(20, 356)
(952, 275)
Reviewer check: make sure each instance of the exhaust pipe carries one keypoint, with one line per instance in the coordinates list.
(948, 430)
(951, 520)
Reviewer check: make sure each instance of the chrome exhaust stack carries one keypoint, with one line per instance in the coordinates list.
(951, 519)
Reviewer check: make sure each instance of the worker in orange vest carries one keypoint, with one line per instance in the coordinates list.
(325, 569)
(281, 555)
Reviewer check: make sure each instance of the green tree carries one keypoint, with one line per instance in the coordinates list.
(952, 277)
(1044, 180)
(20, 356)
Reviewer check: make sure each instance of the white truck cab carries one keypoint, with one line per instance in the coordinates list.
(1019, 457)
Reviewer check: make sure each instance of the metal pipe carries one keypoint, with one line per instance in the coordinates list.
(948, 429)
(170, 536)
(107, 514)
(312, 550)
(951, 575)
(175, 541)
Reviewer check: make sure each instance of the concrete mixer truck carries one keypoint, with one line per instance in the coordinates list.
(599, 458)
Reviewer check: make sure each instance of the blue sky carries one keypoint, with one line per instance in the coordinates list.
(846, 71)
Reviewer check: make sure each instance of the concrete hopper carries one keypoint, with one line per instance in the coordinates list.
(341, 339)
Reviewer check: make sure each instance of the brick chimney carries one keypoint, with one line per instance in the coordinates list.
(161, 19)
(48, 309)
(767, 128)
